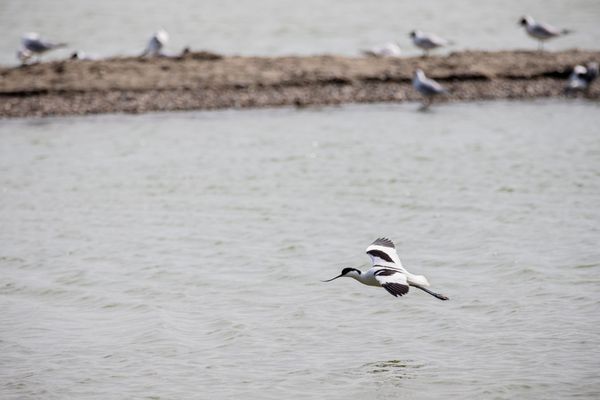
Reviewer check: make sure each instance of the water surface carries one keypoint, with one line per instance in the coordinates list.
(179, 255)
(276, 27)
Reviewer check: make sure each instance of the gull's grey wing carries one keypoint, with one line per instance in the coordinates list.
(429, 87)
(542, 29)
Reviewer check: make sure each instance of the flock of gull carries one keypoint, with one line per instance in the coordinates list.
(33, 46)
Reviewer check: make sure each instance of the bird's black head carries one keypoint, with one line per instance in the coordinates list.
(348, 270)
(345, 272)
(523, 21)
(413, 34)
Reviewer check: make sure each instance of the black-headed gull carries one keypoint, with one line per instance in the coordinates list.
(427, 41)
(540, 30)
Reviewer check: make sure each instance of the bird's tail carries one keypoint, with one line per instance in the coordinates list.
(566, 31)
(59, 45)
(418, 280)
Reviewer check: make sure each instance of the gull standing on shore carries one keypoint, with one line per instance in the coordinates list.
(582, 77)
(427, 41)
(387, 50)
(427, 87)
(156, 43)
(541, 31)
(33, 45)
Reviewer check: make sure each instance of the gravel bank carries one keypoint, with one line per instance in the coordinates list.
(209, 81)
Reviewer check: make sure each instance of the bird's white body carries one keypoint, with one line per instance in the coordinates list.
(387, 271)
(24, 55)
(369, 277)
(387, 50)
(156, 43)
(427, 41)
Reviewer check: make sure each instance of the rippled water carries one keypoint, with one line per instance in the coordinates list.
(273, 27)
(179, 255)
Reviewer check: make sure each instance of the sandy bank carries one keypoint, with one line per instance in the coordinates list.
(208, 81)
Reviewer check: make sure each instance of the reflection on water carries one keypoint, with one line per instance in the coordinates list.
(393, 369)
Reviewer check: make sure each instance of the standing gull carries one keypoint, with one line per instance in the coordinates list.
(427, 41)
(540, 30)
(387, 271)
(33, 45)
(427, 87)
(156, 43)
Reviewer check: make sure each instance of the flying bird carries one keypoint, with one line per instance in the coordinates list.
(156, 43)
(387, 271)
(541, 31)
(582, 77)
(427, 87)
(427, 41)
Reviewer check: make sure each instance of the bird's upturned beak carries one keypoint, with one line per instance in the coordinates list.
(329, 280)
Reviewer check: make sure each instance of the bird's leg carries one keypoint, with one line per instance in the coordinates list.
(540, 46)
(434, 294)
(429, 102)
(425, 104)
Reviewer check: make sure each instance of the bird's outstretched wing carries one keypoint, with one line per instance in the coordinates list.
(393, 281)
(383, 252)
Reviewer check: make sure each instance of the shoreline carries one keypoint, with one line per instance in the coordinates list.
(207, 81)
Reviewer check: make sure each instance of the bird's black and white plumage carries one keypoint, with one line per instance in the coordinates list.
(541, 30)
(582, 77)
(387, 271)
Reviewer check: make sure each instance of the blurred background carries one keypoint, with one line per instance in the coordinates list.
(280, 27)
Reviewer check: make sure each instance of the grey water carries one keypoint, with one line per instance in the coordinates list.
(179, 255)
(283, 27)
